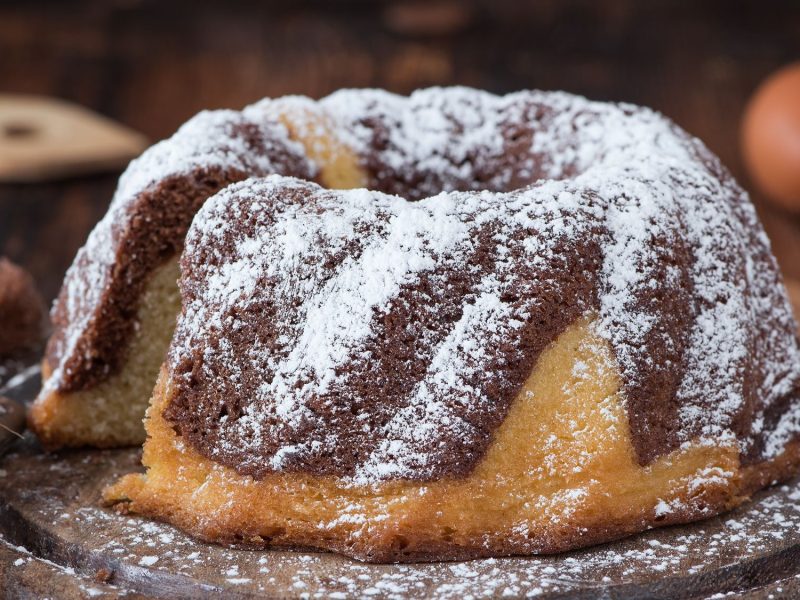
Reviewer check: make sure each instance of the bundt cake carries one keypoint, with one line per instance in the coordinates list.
(546, 322)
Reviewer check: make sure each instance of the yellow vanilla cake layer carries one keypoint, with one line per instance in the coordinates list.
(307, 123)
(110, 413)
(561, 472)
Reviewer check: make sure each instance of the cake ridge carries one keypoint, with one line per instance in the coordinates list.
(216, 146)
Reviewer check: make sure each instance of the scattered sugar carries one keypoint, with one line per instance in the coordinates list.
(769, 525)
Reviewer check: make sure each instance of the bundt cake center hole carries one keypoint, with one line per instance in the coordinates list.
(18, 129)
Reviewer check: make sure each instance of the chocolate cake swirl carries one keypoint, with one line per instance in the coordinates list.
(361, 335)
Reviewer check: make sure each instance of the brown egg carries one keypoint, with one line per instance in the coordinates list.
(771, 137)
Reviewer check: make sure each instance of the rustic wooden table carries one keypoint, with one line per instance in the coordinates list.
(151, 65)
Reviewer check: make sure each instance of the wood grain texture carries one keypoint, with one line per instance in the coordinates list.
(49, 505)
(56, 540)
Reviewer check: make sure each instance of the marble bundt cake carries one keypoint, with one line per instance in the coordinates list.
(546, 322)
(582, 334)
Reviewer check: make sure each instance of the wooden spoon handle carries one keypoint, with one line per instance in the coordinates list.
(46, 138)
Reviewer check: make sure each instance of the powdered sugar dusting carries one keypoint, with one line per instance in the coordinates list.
(209, 138)
(633, 180)
(438, 135)
(617, 176)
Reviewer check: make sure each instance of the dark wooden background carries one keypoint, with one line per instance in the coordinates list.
(152, 64)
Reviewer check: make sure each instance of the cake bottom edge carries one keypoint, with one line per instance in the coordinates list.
(544, 486)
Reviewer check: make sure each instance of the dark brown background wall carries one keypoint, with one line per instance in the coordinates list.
(153, 64)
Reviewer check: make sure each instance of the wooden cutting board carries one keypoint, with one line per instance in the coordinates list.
(57, 541)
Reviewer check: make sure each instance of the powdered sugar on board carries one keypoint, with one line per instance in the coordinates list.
(686, 557)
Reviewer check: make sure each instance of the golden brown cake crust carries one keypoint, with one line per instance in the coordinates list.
(501, 509)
